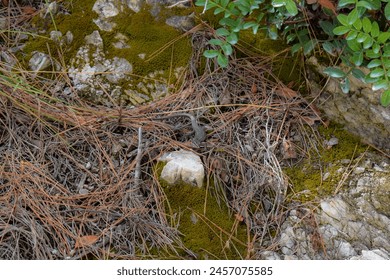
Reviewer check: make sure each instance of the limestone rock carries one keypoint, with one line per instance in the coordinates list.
(182, 166)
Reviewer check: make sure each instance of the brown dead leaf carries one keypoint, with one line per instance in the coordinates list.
(327, 4)
(86, 240)
(239, 217)
(28, 10)
(286, 92)
(310, 120)
(288, 149)
(254, 88)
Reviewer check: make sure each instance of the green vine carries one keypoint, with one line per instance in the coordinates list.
(355, 31)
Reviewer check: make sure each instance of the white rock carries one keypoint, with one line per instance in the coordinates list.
(182, 165)
(335, 208)
(374, 255)
(105, 8)
(346, 250)
(135, 5)
(118, 69)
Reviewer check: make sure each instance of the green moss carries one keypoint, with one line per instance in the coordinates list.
(307, 177)
(208, 229)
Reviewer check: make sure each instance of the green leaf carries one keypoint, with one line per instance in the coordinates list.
(210, 53)
(365, 4)
(343, 3)
(358, 74)
(374, 63)
(387, 11)
(273, 32)
(352, 16)
(232, 38)
(376, 48)
(343, 19)
(219, 10)
(385, 98)
(375, 29)
(368, 42)
(309, 46)
(334, 72)
(366, 25)
(377, 72)
(351, 35)
(278, 3)
(357, 58)
(371, 54)
(291, 7)
(227, 49)
(222, 32)
(358, 24)
(295, 48)
(328, 47)
(376, 4)
(362, 37)
(250, 24)
(345, 85)
(354, 45)
(381, 84)
(224, 3)
(383, 37)
(291, 37)
(216, 42)
(222, 60)
(327, 27)
(340, 30)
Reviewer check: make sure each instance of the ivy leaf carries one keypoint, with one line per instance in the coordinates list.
(334, 72)
(295, 48)
(309, 46)
(358, 24)
(222, 60)
(385, 98)
(368, 42)
(210, 53)
(273, 32)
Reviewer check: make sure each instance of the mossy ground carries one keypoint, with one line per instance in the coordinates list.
(164, 48)
(307, 178)
(207, 226)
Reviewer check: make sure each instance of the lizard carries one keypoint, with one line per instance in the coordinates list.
(200, 132)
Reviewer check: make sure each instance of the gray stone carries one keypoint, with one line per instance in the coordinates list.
(56, 36)
(346, 250)
(374, 255)
(106, 8)
(39, 61)
(182, 166)
(118, 69)
(69, 37)
(182, 23)
(94, 39)
(359, 170)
